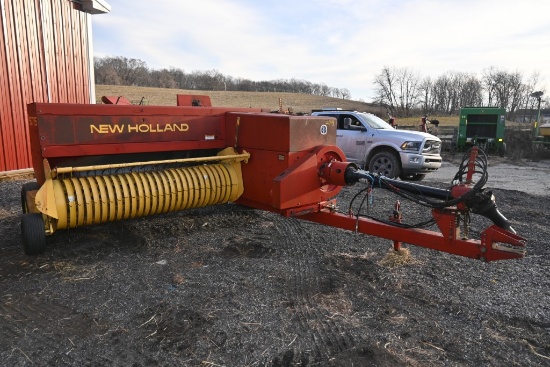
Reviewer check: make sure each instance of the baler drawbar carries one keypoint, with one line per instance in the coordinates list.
(101, 163)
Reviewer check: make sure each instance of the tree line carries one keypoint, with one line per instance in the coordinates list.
(127, 71)
(401, 90)
(404, 91)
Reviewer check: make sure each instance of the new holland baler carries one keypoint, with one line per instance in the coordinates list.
(101, 163)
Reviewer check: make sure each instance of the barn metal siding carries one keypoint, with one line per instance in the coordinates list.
(44, 57)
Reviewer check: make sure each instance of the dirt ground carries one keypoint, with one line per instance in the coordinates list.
(232, 286)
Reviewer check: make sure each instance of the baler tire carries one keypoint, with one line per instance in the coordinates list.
(33, 234)
(29, 186)
(385, 163)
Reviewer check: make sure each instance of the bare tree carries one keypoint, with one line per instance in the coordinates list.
(179, 77)
(324, 90)
(504, 89)
(441, 100)
(529, 103)
(345, 93)
(335, 92)
(122, 70)
(426, 96)
(399, 89)
(471, 93)
(451, 91)
(385, 89)
(409, 90)
(105, 73)
(163, 79)
(464, 90)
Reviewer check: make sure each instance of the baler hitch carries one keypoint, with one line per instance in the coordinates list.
(448, 206)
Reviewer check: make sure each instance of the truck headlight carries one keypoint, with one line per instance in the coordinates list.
(411, 145)
(431, 145)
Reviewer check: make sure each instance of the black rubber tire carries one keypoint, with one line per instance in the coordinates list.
(33, 234)
(29, 186)
(412, 176)
(385, 163)
(502, 150)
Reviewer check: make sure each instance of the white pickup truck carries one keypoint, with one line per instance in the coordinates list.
(375, 145)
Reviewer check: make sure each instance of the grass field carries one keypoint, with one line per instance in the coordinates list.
(298, 102)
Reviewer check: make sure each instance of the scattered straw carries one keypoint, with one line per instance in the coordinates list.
(397, 258)
(534, 351)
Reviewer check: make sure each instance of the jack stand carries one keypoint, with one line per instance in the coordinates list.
(396, 217)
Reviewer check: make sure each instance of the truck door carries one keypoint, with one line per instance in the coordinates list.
(351, 138)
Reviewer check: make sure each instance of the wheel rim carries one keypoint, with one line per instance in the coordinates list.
(383, 166)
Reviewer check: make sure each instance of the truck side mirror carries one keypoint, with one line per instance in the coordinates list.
(347, 122)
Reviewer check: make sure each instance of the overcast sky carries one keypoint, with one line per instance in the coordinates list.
(342, 43)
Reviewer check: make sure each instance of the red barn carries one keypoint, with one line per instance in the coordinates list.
(45, 56)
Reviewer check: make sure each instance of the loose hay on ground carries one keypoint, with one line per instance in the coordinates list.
(395, 258)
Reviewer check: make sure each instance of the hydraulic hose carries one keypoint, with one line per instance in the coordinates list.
(478, 201)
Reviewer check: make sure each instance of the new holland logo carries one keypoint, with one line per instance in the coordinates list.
(137, 128)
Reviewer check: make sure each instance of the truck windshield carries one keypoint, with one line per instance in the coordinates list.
(374, 121)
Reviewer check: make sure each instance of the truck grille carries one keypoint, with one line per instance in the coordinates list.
(432, 147)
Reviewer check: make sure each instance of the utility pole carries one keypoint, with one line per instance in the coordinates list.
(538, 96)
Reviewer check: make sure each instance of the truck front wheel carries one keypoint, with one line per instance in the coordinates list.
(385, 163)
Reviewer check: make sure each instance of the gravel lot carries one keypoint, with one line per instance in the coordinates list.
(526, 176)
(231, 286)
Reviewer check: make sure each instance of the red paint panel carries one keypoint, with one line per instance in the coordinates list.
(76, 130)
(285, 132)
(70, 109)
(70, 125)
(286, 152)
(59, 130)
(259, 173)
(81, 150)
